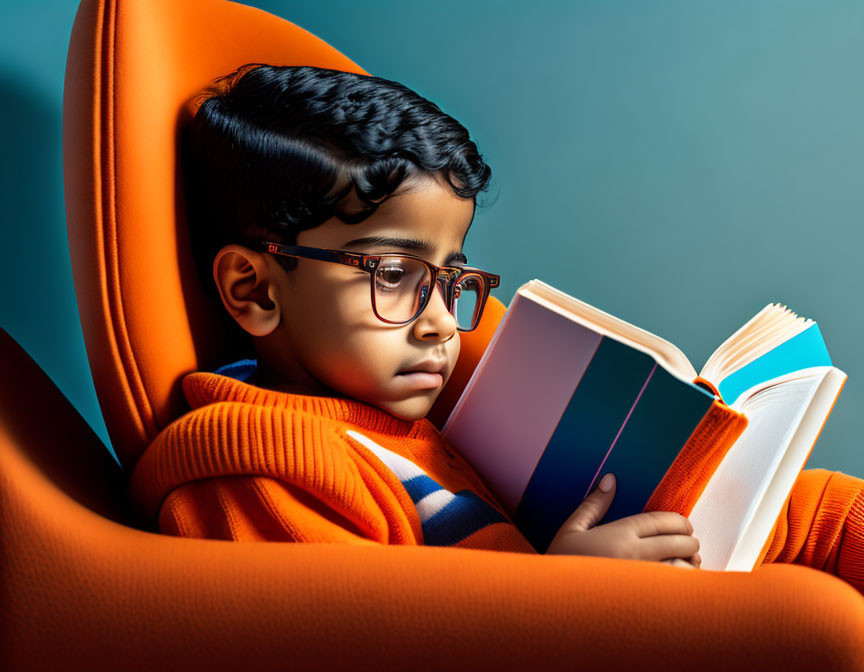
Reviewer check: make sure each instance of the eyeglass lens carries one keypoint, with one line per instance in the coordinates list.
(402, 283)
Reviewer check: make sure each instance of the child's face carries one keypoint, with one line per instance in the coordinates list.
(317, 334)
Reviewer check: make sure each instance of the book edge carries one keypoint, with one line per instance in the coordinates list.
(530, 291)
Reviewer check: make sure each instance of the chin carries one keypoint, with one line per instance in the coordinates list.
(408, 409)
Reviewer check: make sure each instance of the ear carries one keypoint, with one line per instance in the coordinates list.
(248, 288)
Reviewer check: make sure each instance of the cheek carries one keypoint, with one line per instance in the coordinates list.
(456, 346)
(342, 340)
(330, 307)
(361, 365)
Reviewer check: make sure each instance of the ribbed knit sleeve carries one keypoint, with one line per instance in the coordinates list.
(688, 475)
(254, 508)
(198, 460)
(822, 525)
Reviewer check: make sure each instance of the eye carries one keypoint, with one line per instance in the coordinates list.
(388, 277)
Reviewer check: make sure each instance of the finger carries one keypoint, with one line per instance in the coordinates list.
(652, 523)
(668, 546)
(677, 562)
(697, 560)
(593, 507)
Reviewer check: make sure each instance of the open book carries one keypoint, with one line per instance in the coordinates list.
(565, 392)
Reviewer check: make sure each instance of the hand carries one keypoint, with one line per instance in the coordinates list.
(663, 536)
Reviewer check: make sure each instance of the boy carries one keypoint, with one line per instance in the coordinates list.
(329, 211)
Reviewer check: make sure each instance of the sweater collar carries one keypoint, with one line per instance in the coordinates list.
(227, 383)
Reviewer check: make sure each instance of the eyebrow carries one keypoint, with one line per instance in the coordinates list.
(405, 244)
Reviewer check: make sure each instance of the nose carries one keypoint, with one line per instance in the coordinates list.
(435, 322)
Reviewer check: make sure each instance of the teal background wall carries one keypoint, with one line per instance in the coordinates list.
(678, 163)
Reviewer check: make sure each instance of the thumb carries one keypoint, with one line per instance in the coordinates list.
(594, 506)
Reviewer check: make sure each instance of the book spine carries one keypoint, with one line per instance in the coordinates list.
(707, 385)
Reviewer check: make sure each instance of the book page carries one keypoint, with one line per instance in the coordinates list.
(746, 553)
(733, 495)
(764, 332)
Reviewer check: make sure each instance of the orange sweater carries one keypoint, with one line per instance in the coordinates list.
(251, 464)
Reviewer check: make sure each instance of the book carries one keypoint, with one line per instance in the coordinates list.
(565, 392)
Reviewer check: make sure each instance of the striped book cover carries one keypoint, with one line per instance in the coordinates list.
(562, 404)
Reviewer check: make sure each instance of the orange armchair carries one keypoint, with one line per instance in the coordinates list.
(84, 587)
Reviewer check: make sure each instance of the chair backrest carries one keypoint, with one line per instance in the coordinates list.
(132, 69)
(58, 462)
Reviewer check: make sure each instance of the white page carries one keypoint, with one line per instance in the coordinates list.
(732, 496)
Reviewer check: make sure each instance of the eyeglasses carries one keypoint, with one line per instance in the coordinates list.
(401, 283)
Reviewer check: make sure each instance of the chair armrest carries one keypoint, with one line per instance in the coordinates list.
(88, 589)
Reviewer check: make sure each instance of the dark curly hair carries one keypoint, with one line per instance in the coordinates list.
(274, 150)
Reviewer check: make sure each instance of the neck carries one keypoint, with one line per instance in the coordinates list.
(268, 379)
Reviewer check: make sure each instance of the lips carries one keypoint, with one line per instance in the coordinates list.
(428, 374)
(421, 379)
(427, 366)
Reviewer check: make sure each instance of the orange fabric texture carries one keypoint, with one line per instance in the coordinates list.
(304, 468)
(687, 476)
(822, 525)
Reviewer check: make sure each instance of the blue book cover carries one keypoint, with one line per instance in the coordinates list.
(626, 415)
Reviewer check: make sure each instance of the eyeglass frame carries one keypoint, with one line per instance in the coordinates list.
(446, 276)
